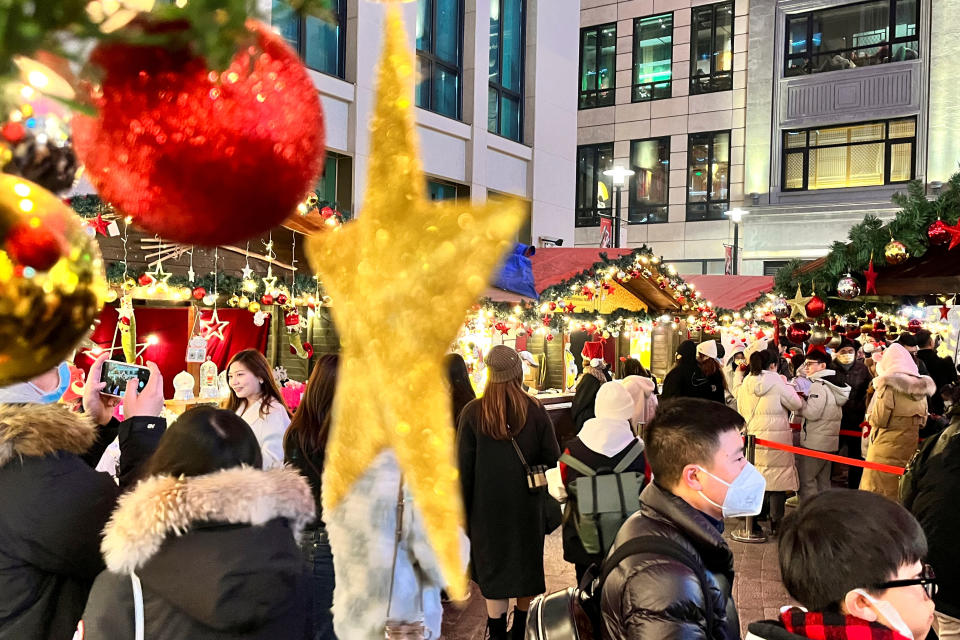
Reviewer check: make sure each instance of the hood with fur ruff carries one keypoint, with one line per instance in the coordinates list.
(913, 385)
(33, 430)
(162, 506)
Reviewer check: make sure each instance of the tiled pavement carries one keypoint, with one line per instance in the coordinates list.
(757, 590)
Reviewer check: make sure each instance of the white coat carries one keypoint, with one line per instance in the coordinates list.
(822, 413)
(765, 402)
(643, 392)
(269, 430)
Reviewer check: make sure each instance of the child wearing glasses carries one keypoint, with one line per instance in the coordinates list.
(854, 561)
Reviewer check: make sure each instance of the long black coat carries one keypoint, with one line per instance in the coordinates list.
(857, 377)
(943, 372)
(216, 555)
(53, 507)
(686, 379)
(654, 596)
(505, 522)
(584, 399)
(934, 504)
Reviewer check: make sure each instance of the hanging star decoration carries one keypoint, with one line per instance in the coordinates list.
(404, 263)
(871, 277)
(247, 272)
(798, 304)
(98, 224)
(160, 277)
(944, 311)
(954, 231)
(269, 280)
(213, 326)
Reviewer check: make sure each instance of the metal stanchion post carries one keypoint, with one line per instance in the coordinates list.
(746, 532)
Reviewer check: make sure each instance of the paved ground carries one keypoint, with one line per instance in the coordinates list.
(757, 590)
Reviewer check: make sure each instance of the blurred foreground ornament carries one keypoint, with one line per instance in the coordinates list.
(198, 156)
(895, 252)
(405, 262)
(51, 280)
(848, 288)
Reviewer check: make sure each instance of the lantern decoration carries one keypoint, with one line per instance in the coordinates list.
(848, 288)
(815, 307)
(780, 308)
(937, 233)
(819, 335)
(798, 332)
(895, 252)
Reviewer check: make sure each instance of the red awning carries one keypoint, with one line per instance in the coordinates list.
(731, 292)
(553, 266)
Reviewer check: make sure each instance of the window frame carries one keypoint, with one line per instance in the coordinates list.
(432, 59)
(634, 86)
(498, 87)
(808, 55)
(695, 88)
(710, 162)
(301, 48)
(647, 209)
(597, 28)
(593, 219)
(887, 142)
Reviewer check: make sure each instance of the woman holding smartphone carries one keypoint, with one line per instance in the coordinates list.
(255, 397)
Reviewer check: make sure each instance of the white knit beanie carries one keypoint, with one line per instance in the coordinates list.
(613, 401)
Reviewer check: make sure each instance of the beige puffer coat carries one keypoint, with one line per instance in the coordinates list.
(822, 413)
(765, 402)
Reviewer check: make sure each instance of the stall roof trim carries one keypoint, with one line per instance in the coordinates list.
(731, 292)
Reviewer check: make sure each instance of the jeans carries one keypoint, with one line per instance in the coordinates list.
(316, 550)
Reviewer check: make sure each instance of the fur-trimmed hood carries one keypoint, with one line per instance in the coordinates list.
(33, 430)
(916, 386)
(162, 506)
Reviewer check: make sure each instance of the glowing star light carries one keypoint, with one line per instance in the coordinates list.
(213, 326)
(404, 263)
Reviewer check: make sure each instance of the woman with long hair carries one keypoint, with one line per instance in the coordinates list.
(461, 390)
(502, 434)
(255, 396)
(765, 401)
(208, 539)
(304, 447)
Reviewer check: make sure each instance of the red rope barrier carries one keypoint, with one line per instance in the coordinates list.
(810, 453)
(843, 432)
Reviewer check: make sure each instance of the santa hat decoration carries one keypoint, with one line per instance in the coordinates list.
(818, 348)
(593, 351)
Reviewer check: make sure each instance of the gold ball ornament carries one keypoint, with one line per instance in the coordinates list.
(895, 252)
(244, 301)
(233, 301)
(253, 307)
(51, 280)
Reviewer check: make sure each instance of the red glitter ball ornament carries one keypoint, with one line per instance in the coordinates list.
(281, 299)
(145, 280)
(816, 307)
(199, 293)
(798, 332)
(267, 299)
(198, 156)
(937, 232)
(36, 247)
(13, 132)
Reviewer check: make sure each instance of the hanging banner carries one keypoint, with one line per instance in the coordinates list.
(606, 233)
(727, 260)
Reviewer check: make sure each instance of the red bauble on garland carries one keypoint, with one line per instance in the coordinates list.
(937, 232)
(197, 156)
(145, 280)
(266, 299)
(798, 332)
(199, 293)
(816, 307)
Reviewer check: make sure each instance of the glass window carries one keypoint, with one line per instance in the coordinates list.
(437, 190)
(598, 62)
(594, 190)
(439, 64)
(321, 44)
(708, 175)
(860, 155)
(506, 68)
(711, 48)
(652, 57)
(650, 183)
(850, 36)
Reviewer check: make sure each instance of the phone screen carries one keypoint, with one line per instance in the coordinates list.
(116, 374)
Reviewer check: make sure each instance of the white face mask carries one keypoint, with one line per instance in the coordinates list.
(846, 358)
(889, 613)
(745, 495)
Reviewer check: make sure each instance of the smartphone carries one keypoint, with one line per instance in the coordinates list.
(116, 374)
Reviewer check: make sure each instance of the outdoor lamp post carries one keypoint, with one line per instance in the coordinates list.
(736, 216)
(618, 175)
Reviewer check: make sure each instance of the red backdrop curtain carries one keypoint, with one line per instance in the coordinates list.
(171, 328)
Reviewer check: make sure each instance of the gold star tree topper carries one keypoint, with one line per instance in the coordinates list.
(798, 304)
(403, 276)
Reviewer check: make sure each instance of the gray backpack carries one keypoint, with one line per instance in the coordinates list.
(605, 498)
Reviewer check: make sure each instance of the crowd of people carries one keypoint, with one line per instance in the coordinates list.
(213, 526)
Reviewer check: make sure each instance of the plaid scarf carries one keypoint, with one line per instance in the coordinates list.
(834, 626)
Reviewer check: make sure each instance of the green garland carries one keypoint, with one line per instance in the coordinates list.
(625, 263)
(869, 239)
(225, 283)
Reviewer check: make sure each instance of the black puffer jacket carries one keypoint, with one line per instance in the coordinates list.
(216, 556)
(53, 506)
(686, 379)
(654, 596)
(857, 377)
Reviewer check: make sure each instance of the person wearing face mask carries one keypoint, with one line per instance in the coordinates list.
(53, 504)
(882, 590)
(820, 431)
(700, 478)
(853, 373)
